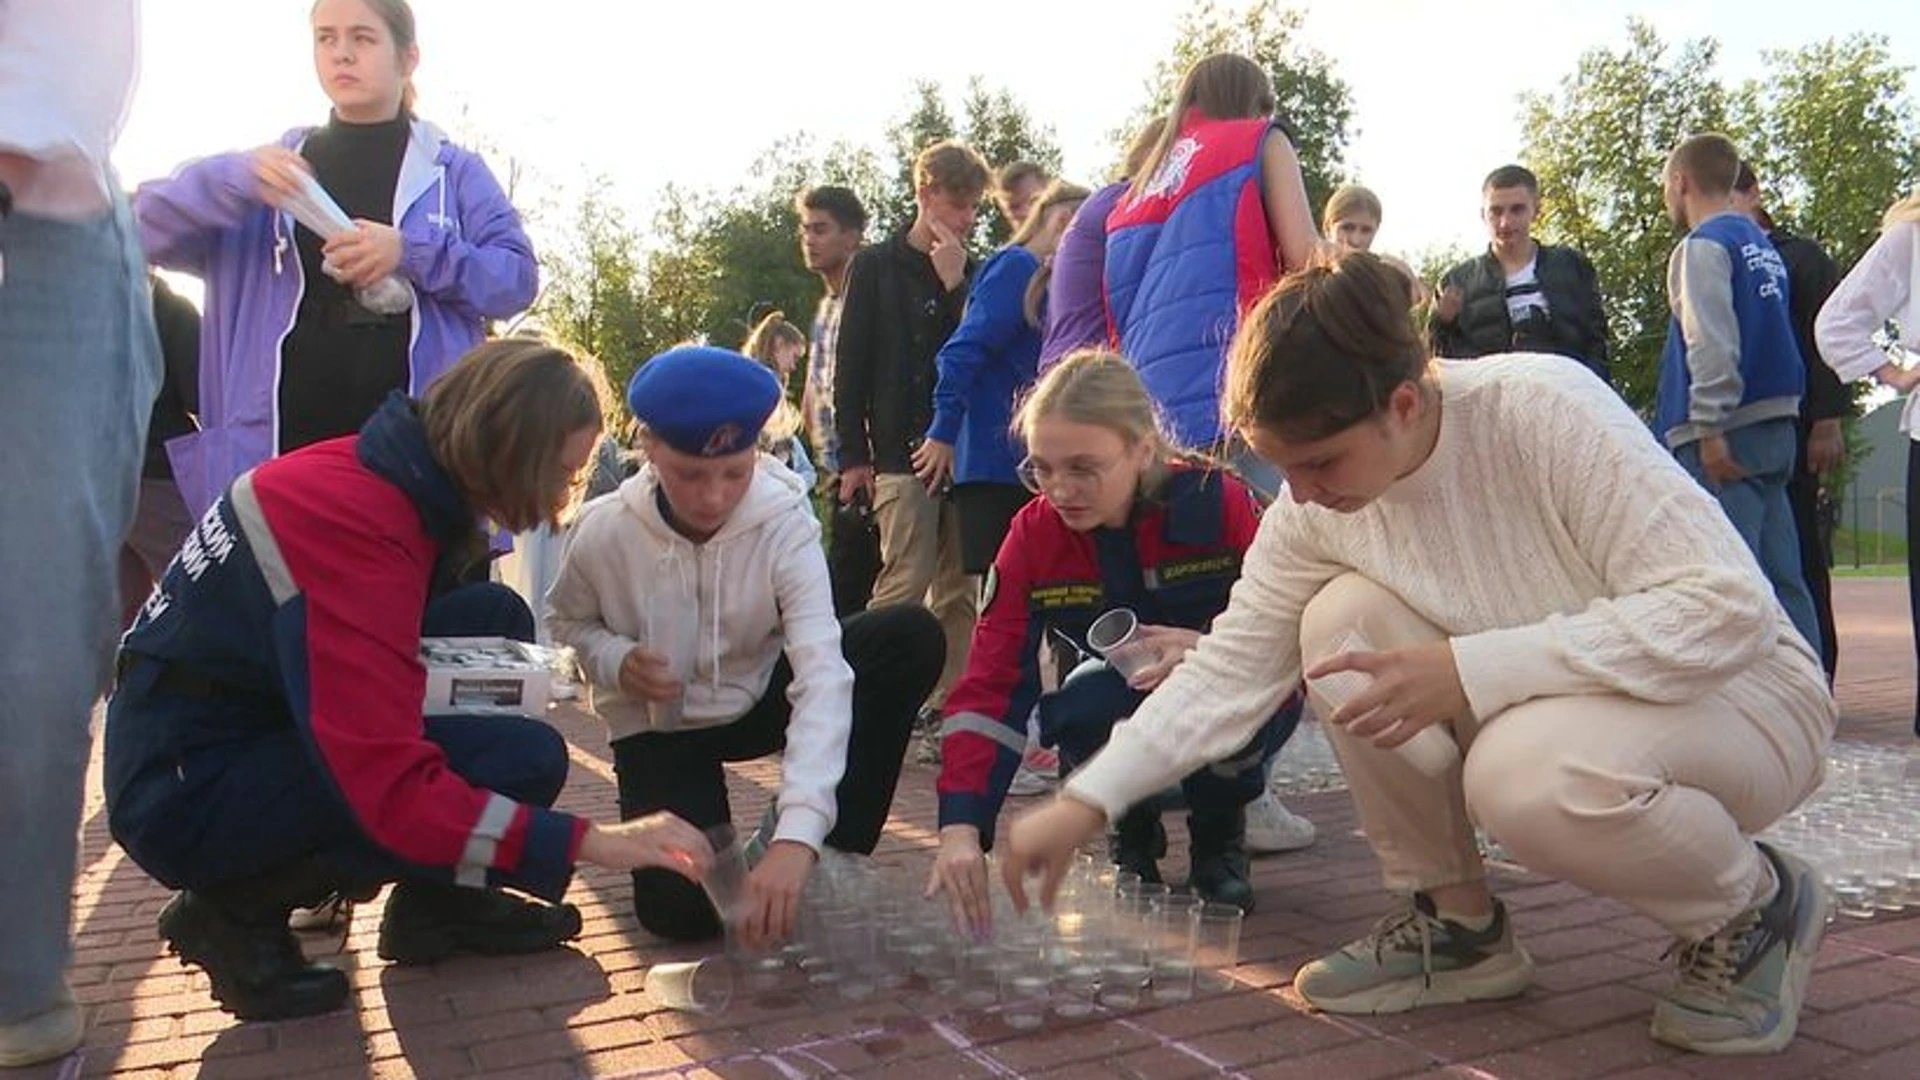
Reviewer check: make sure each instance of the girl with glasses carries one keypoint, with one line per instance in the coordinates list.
(1121, 522)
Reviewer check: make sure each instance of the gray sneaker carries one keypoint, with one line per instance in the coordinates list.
(1414, 958)
(1740, 990)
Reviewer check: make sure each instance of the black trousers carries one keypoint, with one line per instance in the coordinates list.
(896, 654)
(1803, 493)
(853, 552)
(1913, 557)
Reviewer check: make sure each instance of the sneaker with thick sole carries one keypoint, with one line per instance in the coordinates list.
(1272, 828)
(427, 921)
(1414, 958)
(1740, 990)
(1038, 773)
(47, 1035)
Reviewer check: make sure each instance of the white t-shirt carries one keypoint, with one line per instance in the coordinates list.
(67, 70)
(1523, 292)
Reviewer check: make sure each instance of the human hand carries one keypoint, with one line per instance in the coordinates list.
(1171, 644)
(854, 480)
(645, 675)
(1716, 460)
(1410, 689)
(659, 839)
(1826, 447)
(367, 254)
(279, 174)
(933, 463)
(1041, 843)
(1447, 307)
(960, 871)
(773, 894)
(949, 255)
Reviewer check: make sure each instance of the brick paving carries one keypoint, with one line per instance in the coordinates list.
(583, 1013)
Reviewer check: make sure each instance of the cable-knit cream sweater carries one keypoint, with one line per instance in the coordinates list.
(1562, 549)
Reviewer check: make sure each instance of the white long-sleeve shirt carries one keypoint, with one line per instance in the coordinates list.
(1558, 544)
(67, 70)
(1880, 286)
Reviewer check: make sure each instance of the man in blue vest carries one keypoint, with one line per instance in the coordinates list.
(1731, 376)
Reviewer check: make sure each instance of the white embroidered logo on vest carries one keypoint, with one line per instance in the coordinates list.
(1172, 174)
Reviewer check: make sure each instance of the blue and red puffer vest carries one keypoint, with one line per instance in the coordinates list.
(1184, 260)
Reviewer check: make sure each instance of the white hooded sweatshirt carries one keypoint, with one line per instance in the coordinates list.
(722, 611)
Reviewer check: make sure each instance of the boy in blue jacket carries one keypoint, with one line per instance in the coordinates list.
(1731, 375)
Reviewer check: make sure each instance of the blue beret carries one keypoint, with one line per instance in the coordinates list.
(704, 401)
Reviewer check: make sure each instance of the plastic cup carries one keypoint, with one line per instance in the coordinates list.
(698, 986)
(1116, 637)
(726, 882)
(1216, 946)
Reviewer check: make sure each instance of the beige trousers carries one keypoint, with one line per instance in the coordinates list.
(1652, 805)
(920, 564)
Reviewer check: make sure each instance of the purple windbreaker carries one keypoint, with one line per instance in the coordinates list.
(465, 256)
(1077, 297)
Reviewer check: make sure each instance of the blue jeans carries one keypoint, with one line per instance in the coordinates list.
(1761, 513)
(80, 365)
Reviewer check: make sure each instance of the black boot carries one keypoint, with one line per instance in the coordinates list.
(1220, 874)
(256, 966)
(1138, 842)
(429, 921)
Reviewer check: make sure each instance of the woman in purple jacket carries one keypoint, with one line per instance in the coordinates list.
(289, 353)
(1076, 293)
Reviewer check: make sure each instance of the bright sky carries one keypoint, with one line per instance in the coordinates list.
(651, 93)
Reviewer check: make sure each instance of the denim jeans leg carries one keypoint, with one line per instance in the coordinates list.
(80, 365)
(1758, 507)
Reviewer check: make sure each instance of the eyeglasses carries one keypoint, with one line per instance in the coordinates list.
(1039, 477)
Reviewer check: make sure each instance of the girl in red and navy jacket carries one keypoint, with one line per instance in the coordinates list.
(1118, 524)
(265, 746)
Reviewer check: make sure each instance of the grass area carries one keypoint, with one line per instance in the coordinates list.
(1870, 570)
(1870, 549)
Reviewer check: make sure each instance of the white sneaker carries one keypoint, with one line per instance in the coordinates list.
(321, 917)
(1272, 828)
(1039, 771)
(42, 1037)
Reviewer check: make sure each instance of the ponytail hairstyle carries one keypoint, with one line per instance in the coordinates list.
(1323, 351)
(1224, 86)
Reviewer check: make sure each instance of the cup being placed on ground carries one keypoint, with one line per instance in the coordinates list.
(697, 986)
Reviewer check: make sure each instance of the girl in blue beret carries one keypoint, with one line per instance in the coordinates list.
(697, 598)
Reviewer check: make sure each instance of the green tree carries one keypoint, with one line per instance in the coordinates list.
(928, 121)
(1315, 102)
(1831, 132)
(1598, 146)
(995, 123)
(1000, 128)
(594, 297)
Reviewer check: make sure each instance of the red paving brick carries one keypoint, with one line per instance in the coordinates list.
(584, 1013)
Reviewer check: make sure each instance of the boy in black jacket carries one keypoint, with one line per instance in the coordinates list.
(904, 298)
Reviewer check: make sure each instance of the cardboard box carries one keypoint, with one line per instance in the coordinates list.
(484, 674)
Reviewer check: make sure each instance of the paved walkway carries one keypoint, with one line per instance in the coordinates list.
(583, 1013)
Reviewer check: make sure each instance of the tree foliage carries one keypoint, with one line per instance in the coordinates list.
(1828, 127)
(1315, 102)
(1598, 146)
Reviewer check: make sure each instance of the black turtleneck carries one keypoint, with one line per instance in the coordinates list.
(341, 360)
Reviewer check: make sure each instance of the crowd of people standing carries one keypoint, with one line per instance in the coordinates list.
(1288, 459)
